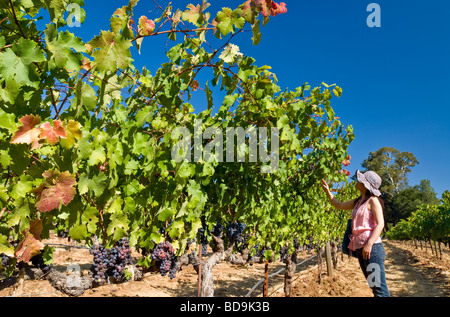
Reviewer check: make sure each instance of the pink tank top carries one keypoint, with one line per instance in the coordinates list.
(363, 223)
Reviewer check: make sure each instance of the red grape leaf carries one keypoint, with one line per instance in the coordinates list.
(269, 7)
(57, 189)
(346, 162)
(278, 8)
(52, 134)
(31, 244)
(36, 228)
(28, 133)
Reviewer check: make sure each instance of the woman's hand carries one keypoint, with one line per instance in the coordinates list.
(366, 251)
(346, 205)
(325, 186)
(327, 191)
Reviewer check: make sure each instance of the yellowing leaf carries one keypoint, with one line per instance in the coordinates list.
(73, 131)
(192, 14)
(110, 51)
(146, 26)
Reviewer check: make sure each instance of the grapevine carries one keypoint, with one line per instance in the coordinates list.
(427, 223)
(86, 140)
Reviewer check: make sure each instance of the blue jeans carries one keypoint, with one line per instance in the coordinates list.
(373, 270)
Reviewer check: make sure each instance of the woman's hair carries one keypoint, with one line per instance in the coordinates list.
(369, 195)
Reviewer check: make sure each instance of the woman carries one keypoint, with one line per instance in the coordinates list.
(367, 225)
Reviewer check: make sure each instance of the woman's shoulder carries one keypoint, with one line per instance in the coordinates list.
(373, 202)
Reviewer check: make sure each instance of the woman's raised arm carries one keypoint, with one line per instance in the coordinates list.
(345, 205)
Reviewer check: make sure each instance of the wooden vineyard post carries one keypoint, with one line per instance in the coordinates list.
(436, 249)
(319, 262)
(328, 258)
(19, 287)
(431, 246)
(266, 280)
(199, 270)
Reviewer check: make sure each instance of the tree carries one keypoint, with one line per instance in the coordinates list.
(428, 194)
(445, 199)
(406, 201)
(392, 166)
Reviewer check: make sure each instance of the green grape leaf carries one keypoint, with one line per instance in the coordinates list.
(16, 62)
(79, 232)
(7, 121)
(118, 226)
(98, 184)
(97, 156)
(256, 33)
(5, 246)
(165, 213)
(228, 18)
(66, 50)
(56, 8)
(224, 21)
(22, 187)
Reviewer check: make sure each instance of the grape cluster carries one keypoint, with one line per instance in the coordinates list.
(164, 256)
(38, 261)
(111, 262)
(296, 243)
(234, 231)
(101, 263)
(188, 245)
(203, 241)
(64, 234)
(243, 244)
(259, 251)
(4, 260)
(121, 255)
(310, 246)
(284, 254)
(217, 230)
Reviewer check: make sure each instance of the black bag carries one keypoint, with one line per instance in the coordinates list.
(346, 240)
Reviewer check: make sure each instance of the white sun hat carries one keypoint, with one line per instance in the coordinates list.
(371, 180)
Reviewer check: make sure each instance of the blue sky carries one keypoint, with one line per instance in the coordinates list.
(395, 78)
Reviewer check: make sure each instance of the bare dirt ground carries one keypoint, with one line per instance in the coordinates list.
(410, 272)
